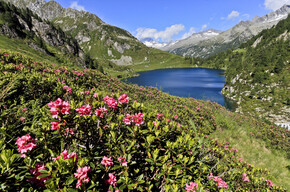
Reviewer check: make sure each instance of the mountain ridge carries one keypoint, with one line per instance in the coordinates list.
(233, 37)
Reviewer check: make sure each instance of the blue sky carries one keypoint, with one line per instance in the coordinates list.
(166, 20)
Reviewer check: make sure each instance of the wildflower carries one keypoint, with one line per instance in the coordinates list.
(175, 117)
(82, 175)
(55, 126)
(138, 119)
(111, 102)
(107, 161)
(58, 107)
(270, 183)
(191, 187)
(67, 130)
(101, 112)
(40, 182)
(221, 183)
(22, 119)
(84, 110)
(66, 155)
(123, 98)
(159, 116)
(95, 95)
(123, 161)
(112, 180)
(245, 178)
(25, 143)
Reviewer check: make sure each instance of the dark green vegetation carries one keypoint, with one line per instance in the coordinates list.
(257, 74)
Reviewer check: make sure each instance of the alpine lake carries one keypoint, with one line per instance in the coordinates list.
(199, 83)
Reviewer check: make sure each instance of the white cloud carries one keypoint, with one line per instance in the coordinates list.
(246, 16)
(76, 6)
(204, 27)
(165, 35)
(233, 15)
(189, 33)
(275, 4)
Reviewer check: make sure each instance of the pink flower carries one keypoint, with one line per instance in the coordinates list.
(40, 182)
(270, 183)
(210, 176)
(66, 155)
(95, 95)
(82, 175)
(22, 119)
(138, 119)
(24, 109)
(69, 131)
(221, 183)
(123, 98)
(25, 143)
(159, 116)
(54, 125)
(112, 180)
(127, 119)
(101, 112)
(123, 161)
(111, 102)
(58, 107)
(87, 92)
(84, 110)
(175, 117)
(245, 178)
(191, 187)
(107, 161)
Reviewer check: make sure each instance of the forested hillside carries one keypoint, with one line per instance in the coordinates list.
(257, 74)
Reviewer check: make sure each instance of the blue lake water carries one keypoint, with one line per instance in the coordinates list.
(199, 83)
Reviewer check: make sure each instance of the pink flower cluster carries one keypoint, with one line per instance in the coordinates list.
(67, 88)
(58, 107)
(221, 183)
(245, 177)
(84, 110)
(112, 180)
(82, 175)
(123, 98)
(67, 155)
(55, 126)
(25, 143)
(137, 119)
(270, 183)
(107, 161)
(40, 182)
(159, 116)
(123, 161)
(191, 187)
(111, 102)
(101, 112)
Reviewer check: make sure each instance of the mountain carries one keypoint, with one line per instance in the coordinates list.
(231, 38)
(149, 42)
(101, 41)
(193, 39)
(257, 74)
(39, 34)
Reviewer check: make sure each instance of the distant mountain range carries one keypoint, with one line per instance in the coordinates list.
(100, 41)
(210, 42)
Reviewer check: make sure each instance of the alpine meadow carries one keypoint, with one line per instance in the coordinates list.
(70, 122)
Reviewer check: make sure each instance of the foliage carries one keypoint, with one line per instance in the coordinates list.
(95, 138)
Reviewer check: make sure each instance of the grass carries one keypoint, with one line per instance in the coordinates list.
(21, 47)
(253, 150)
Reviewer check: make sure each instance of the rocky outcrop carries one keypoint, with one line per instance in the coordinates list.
(38, 32)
